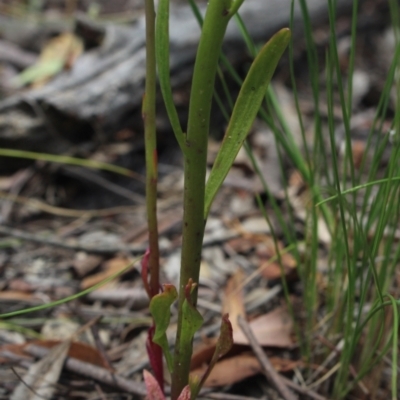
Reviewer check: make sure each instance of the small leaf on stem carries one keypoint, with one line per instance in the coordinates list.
(160, 306)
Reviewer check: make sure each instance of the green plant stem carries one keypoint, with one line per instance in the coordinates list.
(195, 157)
(149, 118)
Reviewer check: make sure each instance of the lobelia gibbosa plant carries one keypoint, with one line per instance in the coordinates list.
(198, 194)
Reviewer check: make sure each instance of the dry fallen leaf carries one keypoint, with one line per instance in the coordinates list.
(266, 253)
(242, 245)
(110, 268)
(233, 299)
(40, 381)
(230, 370)
(78, 350)
(272, 270)
(239, 367)
(300, 199)
(85, 263)
(203, 354)
(60, 53)
(273, 329)
(18, 295)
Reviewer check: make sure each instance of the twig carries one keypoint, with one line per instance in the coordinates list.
(103, 249)
(92, 371)
(64, 212)
(19, 181)
(92, 325)
(97, 179)
(96, 249)
(13, 54)
(269, 370)
(27, 385)
(303, 390)
(227, 396)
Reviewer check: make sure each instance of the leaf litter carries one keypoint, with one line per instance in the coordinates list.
(241, 273)
(42, 377)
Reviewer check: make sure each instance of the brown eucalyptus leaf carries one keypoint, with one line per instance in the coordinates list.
(273, 329)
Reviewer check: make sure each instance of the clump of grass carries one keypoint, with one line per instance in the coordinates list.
(356, 309)
(363, 253)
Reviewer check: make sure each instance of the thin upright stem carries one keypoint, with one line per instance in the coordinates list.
(149, 117)
(215, 22)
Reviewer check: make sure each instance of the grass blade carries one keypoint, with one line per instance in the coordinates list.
(162, 56)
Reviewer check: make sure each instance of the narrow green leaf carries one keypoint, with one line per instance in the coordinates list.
(247, 105)
(69, 298)
(395, 346)
(358, 187)
(162, 56)
(160, 310)
(94, 164)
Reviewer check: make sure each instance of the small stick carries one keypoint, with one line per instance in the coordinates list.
(137, 249)
(89, 370)
(52, 241)
(269, 370)
(303, 390)
(227, 396)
